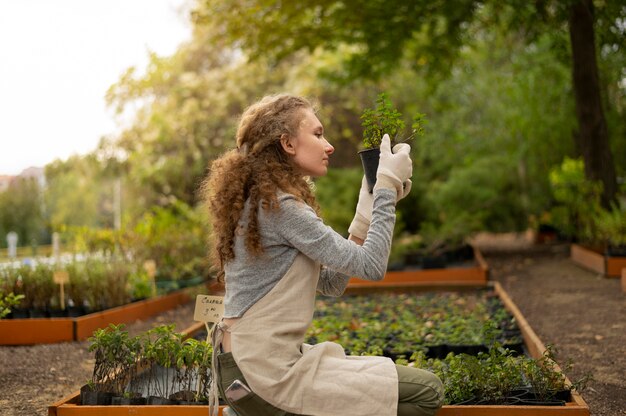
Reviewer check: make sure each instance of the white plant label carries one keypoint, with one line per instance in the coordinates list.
(209, 308)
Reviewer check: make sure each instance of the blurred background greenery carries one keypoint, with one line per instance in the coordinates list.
(520, 122)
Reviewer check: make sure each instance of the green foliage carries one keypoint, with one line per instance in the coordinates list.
(119, 357)
(8, 301)
(577, 201)
(337, 193)
(385, 119)
(401, 324)
(78, 193)
(611, 226)
(174, 237)
(21, 211)
(116, 355)
(193, 362)
(547, 379)
(381, 119)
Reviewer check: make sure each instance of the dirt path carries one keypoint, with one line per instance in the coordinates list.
(579, 312)
(583, 315)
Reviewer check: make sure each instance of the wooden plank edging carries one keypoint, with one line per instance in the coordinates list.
(54, 330)
(596, 261)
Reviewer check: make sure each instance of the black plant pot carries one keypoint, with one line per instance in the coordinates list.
(160, 401)
(434, 262)
(19, 313)
(536, 402)
(467, 349)
(128, 401)
(523, 393)
(437, 351)
(616, 251)
(75, 311)
(91, 397)
(57, 313)
(37, 313)
(369, 160)
(191, 403)
(565, 395)
(471, 401)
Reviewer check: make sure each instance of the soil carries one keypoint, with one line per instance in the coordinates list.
(577, 311)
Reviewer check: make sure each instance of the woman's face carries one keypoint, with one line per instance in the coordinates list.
(309, 149)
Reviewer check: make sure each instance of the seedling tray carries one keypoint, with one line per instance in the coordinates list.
(69, 406)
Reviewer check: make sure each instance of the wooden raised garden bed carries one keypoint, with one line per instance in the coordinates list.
(52, 330)
(597, 261)
(476, 273)
(574, 407)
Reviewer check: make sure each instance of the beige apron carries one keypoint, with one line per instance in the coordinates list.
(318, 380)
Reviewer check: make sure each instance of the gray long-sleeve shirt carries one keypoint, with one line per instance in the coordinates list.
(294, 229)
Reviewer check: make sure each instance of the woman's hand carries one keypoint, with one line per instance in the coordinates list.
(395, 168)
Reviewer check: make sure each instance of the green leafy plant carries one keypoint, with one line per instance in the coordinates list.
(545, 378)
(577, 201)
(611, 226)
(116, 354)
(382, 119)
(193, 369)
(161, 348)
(8, 301)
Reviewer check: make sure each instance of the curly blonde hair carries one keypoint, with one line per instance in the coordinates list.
(254, 171)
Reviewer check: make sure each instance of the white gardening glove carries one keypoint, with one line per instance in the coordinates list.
(363, 215)
(395, 168)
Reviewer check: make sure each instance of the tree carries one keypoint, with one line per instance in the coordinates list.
(21, 211)
(376, 34)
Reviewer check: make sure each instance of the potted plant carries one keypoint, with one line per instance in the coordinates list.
(117, 356)
(378, 121)
(8, 301)
(77, 290)
(105, 344)
(611, 228)
(38, 289)
(161, 347)
(193, 372)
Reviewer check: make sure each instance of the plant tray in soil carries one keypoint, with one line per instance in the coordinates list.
(574, 406)
(595, 260)
(474, 273)
(52, 330)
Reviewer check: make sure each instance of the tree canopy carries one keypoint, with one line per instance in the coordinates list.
(376, 35)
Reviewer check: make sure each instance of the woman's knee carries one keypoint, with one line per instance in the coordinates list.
(421, 388)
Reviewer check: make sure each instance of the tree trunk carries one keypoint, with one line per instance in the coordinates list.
(593, 134)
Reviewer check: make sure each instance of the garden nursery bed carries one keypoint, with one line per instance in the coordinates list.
(468, 268)
(342, 321)
(30, 331)
(609, 264)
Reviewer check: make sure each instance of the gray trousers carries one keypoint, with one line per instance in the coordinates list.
(420, 392)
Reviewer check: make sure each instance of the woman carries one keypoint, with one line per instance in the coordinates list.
(276, 252)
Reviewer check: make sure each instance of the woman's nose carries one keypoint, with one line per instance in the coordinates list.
(328, 148)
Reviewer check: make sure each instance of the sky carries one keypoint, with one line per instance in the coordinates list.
(57, 60)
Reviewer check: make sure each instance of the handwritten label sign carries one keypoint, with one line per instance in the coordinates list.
(209, 308)
(150, 267)
(61, 277)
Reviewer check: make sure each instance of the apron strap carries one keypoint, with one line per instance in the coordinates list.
(217, 336)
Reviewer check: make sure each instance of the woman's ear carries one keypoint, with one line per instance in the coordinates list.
(287, 143)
